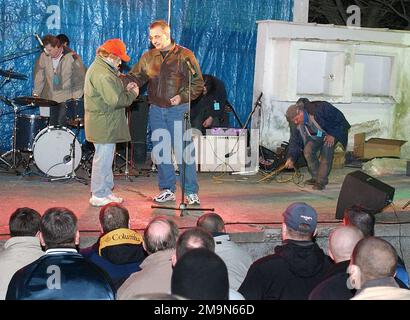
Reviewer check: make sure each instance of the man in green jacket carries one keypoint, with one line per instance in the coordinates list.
(105, 122)
(168, 69)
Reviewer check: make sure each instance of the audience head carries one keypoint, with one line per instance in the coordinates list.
(58, 229)
(114, 216)
(373, 258)
(155, 296)
(160, 234)
(24, 222)
(193, 239)
(342, 241)
(200, 274)
(361, 218)
(211, 222)
(299, 222)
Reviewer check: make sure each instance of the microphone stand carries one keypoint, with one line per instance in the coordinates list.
(183, 207)
(19, 55)
(72, 174)
(258, 103)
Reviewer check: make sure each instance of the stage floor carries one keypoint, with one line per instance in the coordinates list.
(246, 205)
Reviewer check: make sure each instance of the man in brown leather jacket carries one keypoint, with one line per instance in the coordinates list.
(168, 69)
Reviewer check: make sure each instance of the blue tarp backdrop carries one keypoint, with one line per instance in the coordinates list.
(221, 33)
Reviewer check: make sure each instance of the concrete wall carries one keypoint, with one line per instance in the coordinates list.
(398, 235)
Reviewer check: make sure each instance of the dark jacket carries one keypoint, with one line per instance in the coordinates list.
(216, 93)
(69, 274)
(119, 261)
(329, 118)
(290, 273)
(169, 76)
(333, 285)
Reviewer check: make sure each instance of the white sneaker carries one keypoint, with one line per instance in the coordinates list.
(99, 202)
(193, 198)
(114, 198)
(164, 196)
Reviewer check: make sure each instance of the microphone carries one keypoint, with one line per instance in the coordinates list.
(41, 43)
(190, 67)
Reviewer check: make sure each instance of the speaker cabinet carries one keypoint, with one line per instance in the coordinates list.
(138, 120)
(358, 188)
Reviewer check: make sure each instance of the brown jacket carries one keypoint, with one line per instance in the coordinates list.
(155, 276)
(169, 76)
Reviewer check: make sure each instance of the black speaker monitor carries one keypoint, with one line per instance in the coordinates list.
(138, 129)
(358, 188)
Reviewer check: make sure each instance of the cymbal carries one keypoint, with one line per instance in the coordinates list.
(36, 101)
(12, 74)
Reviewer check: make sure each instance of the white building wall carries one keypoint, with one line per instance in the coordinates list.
(358, 70)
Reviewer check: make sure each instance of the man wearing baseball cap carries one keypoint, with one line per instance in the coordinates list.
(105, 98)
(316, 127)
(297, 265)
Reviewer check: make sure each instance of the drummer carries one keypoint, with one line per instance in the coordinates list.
(59, 76)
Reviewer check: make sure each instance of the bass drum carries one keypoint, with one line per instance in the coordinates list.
(52, 151)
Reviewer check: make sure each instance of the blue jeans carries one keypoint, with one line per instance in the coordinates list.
(102, 177)
(319, 158)
(167, 125)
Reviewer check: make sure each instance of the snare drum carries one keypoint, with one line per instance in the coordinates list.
(27, 127)
(52, 151)
(75, 112)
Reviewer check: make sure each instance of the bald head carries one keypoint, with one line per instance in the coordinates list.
(375, 257)
(160, 234)
(342, 241)
(211, 222)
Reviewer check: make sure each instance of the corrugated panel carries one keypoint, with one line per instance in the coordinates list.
(222, 34)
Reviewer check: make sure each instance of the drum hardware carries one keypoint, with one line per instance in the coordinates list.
(75, 112)
(127, 162)
(13, 151)
(72, 157)
(87, 161)
(24, 101)
(10, 74)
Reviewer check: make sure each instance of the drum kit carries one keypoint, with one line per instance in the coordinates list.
(54, 150)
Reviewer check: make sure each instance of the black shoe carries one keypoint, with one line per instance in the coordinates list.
(318, 186)
(310, 182)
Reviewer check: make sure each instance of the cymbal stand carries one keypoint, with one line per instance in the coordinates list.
(13, 151)
(126, 173)
(72, 174)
